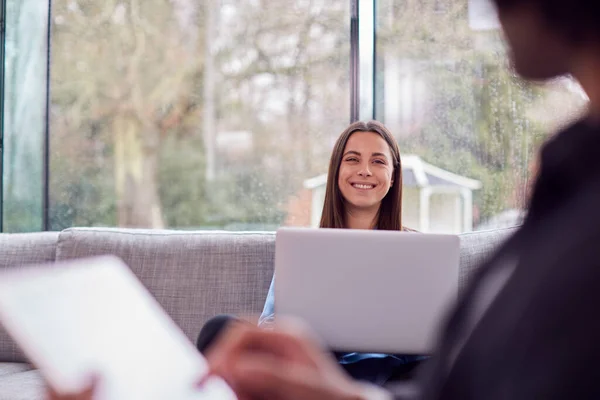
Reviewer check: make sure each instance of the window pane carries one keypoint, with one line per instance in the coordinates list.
(169, 113)
(24, 114)
(467, 127)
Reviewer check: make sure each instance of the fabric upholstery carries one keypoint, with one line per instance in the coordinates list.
(193, 275)
(13, 368)
(27, 385)
(475, 247)
(17, 250)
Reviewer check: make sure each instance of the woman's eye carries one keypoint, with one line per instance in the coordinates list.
(379, 162)
(351, 159)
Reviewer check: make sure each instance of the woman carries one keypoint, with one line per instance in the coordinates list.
(364, 191)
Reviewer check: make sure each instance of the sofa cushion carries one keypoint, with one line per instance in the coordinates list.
(13, 368)
(476, 247)
(193, 275)
(18, 250)
(27, 385)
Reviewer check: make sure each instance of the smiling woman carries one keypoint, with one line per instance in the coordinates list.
(364, 184)
(364, 191)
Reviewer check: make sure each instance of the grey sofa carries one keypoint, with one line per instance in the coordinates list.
(194, 275)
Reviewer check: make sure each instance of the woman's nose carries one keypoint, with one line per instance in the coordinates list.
(364, 171)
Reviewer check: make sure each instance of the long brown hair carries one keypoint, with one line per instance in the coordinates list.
(390, 211)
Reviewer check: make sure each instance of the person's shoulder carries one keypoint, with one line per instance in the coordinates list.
(579, 134)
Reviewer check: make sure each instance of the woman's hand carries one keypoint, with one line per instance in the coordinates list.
(279, 364)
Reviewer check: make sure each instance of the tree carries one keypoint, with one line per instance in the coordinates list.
(144, 100)
(124, 73)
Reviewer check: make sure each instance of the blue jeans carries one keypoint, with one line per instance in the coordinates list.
(380, 370)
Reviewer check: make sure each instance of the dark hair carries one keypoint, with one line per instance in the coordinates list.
(390, 212)
(577, 20)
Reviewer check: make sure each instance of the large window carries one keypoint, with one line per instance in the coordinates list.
(187, 114)
(222, 114)
(444, 87)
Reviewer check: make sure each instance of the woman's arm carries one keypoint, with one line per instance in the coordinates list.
(267, 317)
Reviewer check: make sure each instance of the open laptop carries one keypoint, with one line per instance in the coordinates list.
(93, 316)
(367, 291)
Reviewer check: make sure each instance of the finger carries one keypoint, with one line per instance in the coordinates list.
(239, 340)
(308, 340)
(296, 327)
(228, 343)
(266, 376)
(85, 394)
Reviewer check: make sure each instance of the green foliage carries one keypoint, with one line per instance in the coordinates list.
(181, 182)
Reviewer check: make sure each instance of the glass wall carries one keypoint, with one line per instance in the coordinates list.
(222, 115)
(24, 117)
(444, 87)
(193, 115)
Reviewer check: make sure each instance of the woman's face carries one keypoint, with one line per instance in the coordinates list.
(366, 171)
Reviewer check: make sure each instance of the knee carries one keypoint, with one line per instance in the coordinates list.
(211, 331)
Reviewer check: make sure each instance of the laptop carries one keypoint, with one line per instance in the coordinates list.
(93, 316)
(365, 290)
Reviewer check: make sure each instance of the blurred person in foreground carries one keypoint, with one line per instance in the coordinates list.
(527, 327)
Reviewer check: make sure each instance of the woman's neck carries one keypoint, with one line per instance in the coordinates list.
(361, 219)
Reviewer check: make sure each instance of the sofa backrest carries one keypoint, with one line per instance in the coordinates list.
(18, 250)
(475, 247)
(193, 275)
